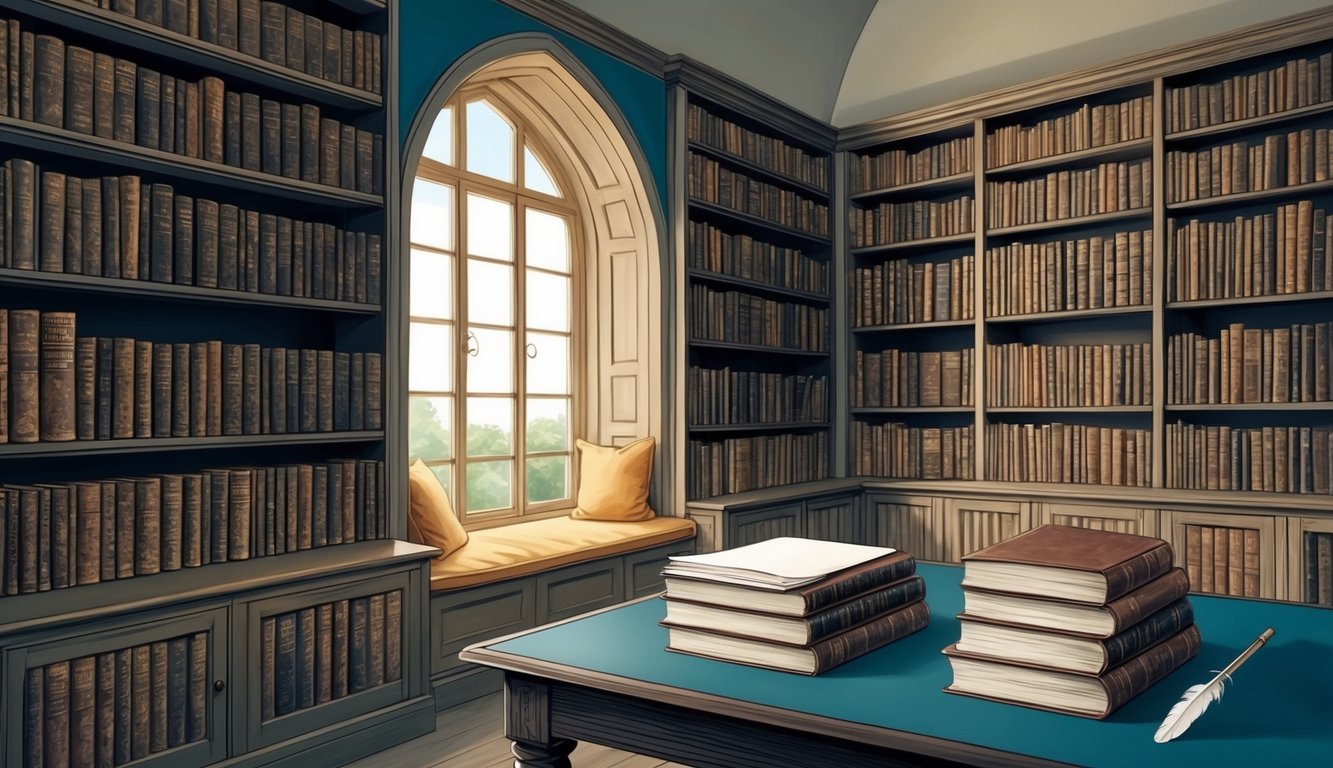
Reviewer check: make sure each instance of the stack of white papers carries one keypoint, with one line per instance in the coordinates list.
(776, 564)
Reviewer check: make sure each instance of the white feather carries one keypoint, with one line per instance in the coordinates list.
(1192, 704)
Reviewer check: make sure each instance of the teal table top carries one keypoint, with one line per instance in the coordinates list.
(1278, 711)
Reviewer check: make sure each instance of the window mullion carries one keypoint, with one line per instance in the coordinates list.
(520, 352)
(460, 344)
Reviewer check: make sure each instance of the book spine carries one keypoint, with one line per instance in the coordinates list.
(860, 582)
(104, 740)
(324, 653)
(358, 644)
(1137, 571)
(285, 661)
(196, 721)
(82, 711)
(141, 695)
(268, 644)
(147, 526)
(306, 643)
(88, 550)
(855, 642)
(178, 689)
(393, 636)
(1134, 676)
(123, 707)
(1147, 633)
(341, 656)
(375, 661)
(850, 614)
(24, 375)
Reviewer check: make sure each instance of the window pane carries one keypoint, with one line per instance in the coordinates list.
(445, 473)
(535, 176)
(490, 485)
(548, 369)
(492, 368)
(490, 293)
(490, 142)
(547, 240)
(548, 478)
(429, 432)
(548, 301)
(490, 426)
(430, 358)
(548, 424)
(432, 291)
(432, 215)
(440, 142)
(490, 228)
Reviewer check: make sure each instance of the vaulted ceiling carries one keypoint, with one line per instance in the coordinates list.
(851, 61)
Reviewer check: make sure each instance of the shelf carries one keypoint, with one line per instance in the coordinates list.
(1080, 221)
(756, 285)
(910, 409)
(1323, 405)
(956, 182)
(130, 156)
(1217, 201)
(755, 170)
(1070, 314)
(914, 326)
(1124, 150)
(150, 444)
(362, 6)
(727, 345)
(127, 30)
(1281, 298)
(912, 245)
(785, 426)
(23, 278)
(755, 221)
(1235, 126)
(1073, 409)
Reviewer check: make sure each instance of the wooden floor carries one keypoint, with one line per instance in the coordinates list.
(471, 735)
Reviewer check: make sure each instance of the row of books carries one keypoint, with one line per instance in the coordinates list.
(774, 154)
(99, 95)
(1269, 459)
(1104, 188)
(1069, 453)
(739, 255)
(117, 707)
(897, 167)
(730, 396)
(65, 387)
(792, 604)
(1319, 568)
(712, 182)
(122, 226)
(900, 291)
(59, 535)
(1042, 375)
(1295, 83)
(1265, 254)
(1251, 365)
(1088, 126)
(1073, 620)
(1222, 560)
(1299, 157)
(271, 31)
(925, 453)
(327, 652)
(742, 318)
(890, 223)
(738, 464)
(896, 378)
(1062, 275)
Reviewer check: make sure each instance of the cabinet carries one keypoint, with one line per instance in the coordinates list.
(1141, 522)
(1310, 561)
(1229, 554)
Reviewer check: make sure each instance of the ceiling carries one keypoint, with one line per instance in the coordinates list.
(851, 61)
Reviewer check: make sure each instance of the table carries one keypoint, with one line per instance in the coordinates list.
(605, 677)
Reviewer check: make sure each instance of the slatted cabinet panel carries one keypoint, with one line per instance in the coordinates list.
(1229, 554)
(1310, 560)
(983, 522)
(835, 520)
(1142, 522)
(761, 525)
(915, 524)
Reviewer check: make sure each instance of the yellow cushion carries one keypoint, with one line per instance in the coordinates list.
(526, 548)
(613, 482)
(430, 516)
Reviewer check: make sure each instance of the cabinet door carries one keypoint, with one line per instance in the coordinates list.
(763, 524)
(980, 523)
(1142, 522)
(914, 524)
(1229, 554)
(1310, 561)
(324, 655)
(151, 691)
(836, 519)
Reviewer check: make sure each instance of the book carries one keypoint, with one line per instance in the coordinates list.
(1079, 564)
(196, 721)
(780, 563)
(1094, 696)
(1093, 620)
(55, 720)
(810, 660)
(24, 375)
(82, 711)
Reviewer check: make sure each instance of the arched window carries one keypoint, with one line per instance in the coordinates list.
(494, 335)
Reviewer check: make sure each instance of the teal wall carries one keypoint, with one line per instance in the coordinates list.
(433, 34)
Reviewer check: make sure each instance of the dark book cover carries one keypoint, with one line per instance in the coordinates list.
(141, 700)
(330, 139)
(375, 661)
(281, 512)
(172, 521)
(143, 389)
(393, 636)
(309, 136)
(319, 505)
(277, 391)
(85, 386)
(177, 689)
(305, 482)
(130, 217)
(107, 545)
(250, 390)
(358, 644)
(182, 252)
(83, 711)
(293, 394)
(268, 253)
(333, 53)
(147, 526)
(270, 145)
(228, 24)
(374, 278)
(273, 32)
(306, 401)
(34, 715)
(334, 505)
(347, 157)
(57, 398)
(104, 720)
(56, 503)
(233, 376)
(23, 214)
(106, 373)
(294, 45)
(248, 267)
(212, 100)
(324, 390)
(104, 96)
(178, 407)
(150, 11)
(123, 706)
(356, 392)
(314, 47)
(340, 648)
(251, 132)
(365, 161)
(111, 226)
(207, 268)
(283, 262)
(231, 130)
(87, 498)
(123, 101)
(157, 682)
(79, 90)
(91, 227)
(306, 643)
(240, 513)
(268, 640)
(196, 719)
(291, 141)
(48, 96)
(347, 505)
(208, 11)
(163, 227)
(374, 391)
(56, 715)
(170, 113)
(213, 351)
(219, 527)
(25, 376)
(191, 527)
(125, 527)
(293, 521)
(148, 109)
(14, 539)
(285, 665)
(323, 653)
(162, 377)
(302, 235)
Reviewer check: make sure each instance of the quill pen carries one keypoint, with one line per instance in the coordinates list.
(1196, 699)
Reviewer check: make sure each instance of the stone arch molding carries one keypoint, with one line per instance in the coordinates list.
(620, 220)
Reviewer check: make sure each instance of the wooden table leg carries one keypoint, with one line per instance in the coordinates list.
(527, 706)
(552, 755)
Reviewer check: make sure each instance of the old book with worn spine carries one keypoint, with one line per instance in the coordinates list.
(24, 375)
(57, 397)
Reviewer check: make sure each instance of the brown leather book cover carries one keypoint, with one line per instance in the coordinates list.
(1129, 609)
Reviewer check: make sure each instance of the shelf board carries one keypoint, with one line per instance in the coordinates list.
(956, 182)
(1073, 409)
(363, 7)
(127, 30)
(912, 245)
(1217, 201)
(1124, 150)
(756, 221)
(909, 409)
(1070, 314)
(1234, 126)
(727, 345)
(1079, 221)
(22, 278)
(1323, 405)
(756, 285)
(754, 169)
(785, 426)
(1281, 298)
(150, 444)
(84, 147)
(914, 326)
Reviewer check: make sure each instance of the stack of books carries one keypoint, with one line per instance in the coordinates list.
(792, 604)
(1073, 620)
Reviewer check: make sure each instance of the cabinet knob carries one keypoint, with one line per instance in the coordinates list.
(219, 685)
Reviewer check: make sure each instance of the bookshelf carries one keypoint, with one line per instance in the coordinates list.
(193, 268)
(755, 181)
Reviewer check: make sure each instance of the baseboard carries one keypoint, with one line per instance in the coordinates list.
(347, 741)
